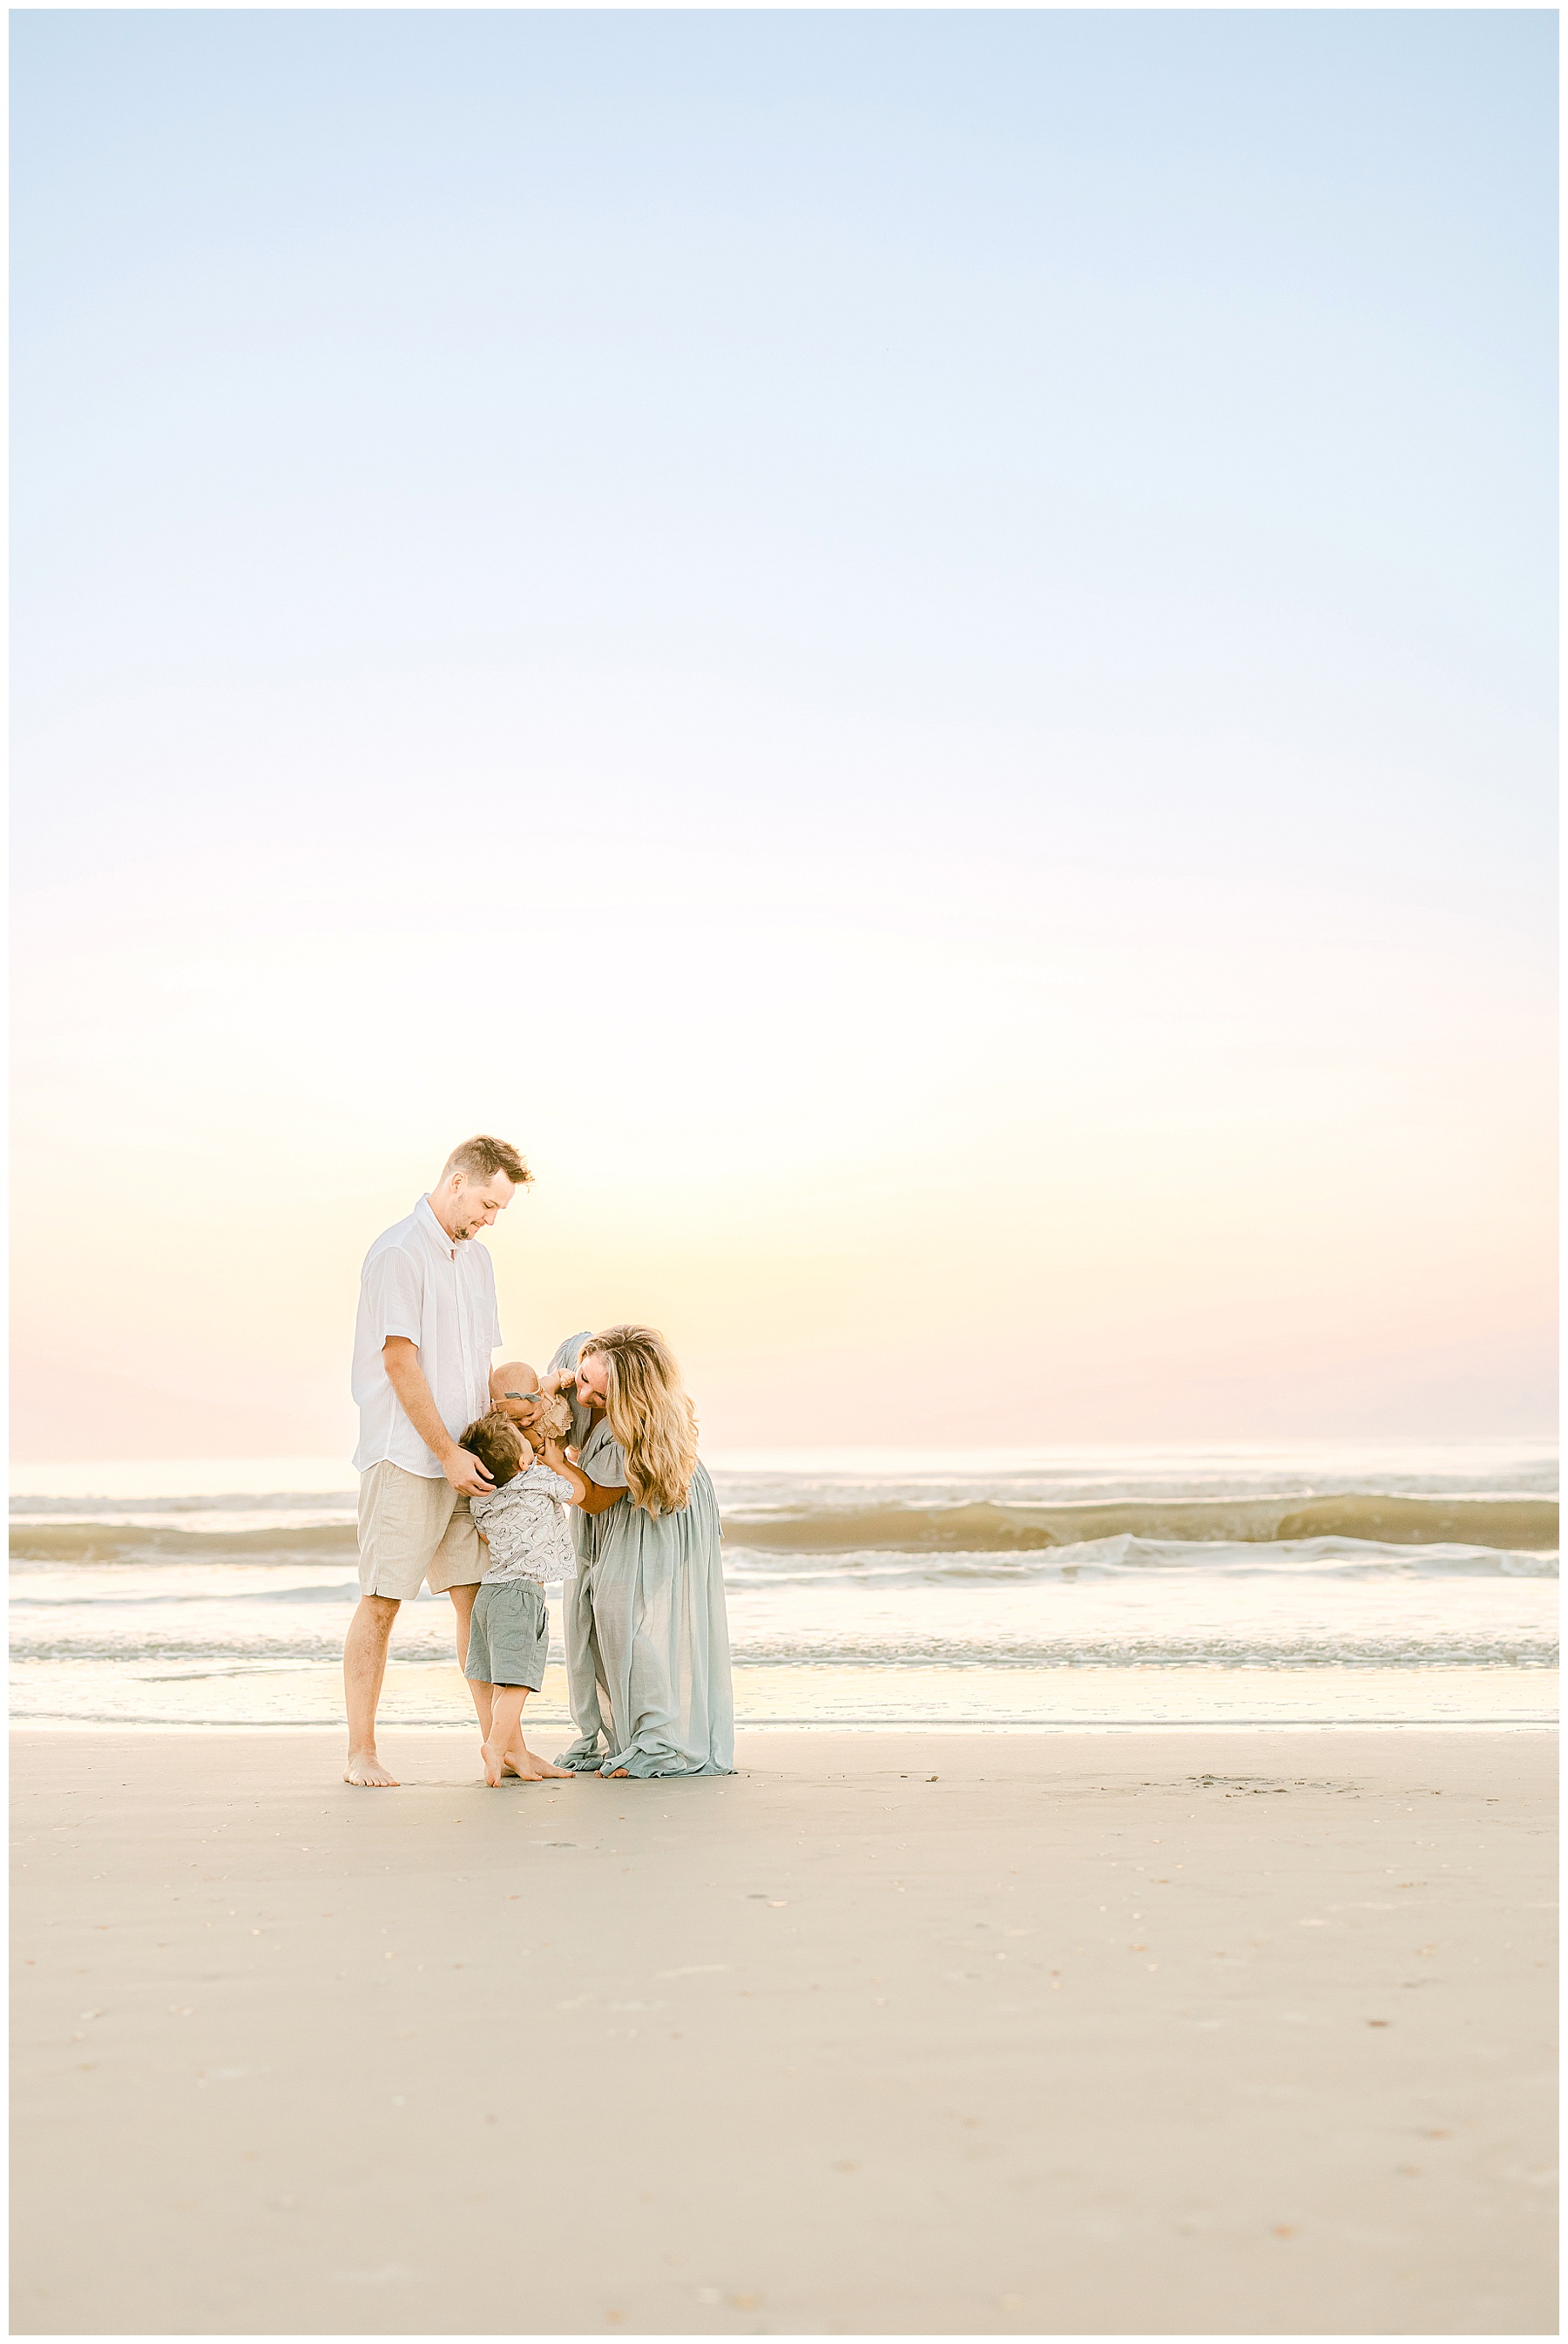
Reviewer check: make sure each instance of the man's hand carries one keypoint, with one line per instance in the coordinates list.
(467, 1475)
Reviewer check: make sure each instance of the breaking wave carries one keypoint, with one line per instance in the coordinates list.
(1520, 1524)
(138, 1542)
(1471, 1533)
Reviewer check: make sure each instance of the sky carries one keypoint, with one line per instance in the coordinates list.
(915, 649)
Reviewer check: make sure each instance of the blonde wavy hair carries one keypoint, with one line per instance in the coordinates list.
(650, 1414)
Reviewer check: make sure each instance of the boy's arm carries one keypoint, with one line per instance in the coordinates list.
(591, 1498)
(555, 1457)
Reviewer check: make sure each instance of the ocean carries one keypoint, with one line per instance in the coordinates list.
(1385, 1584)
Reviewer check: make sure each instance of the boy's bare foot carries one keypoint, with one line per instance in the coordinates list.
(507, 1766)
(366, 1772)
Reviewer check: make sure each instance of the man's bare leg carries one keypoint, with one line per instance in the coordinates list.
(364, 1667)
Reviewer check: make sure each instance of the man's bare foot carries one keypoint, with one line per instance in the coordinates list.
(366, 1772)
(543, 1770)
(495, 1764)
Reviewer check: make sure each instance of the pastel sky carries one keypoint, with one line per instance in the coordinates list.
(916, 649)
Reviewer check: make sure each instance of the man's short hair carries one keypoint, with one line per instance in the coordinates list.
(482, 1158)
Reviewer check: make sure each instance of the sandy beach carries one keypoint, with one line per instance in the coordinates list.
(1147, 2032)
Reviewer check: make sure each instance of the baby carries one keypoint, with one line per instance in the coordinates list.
(515, 1390)
(522, 1521)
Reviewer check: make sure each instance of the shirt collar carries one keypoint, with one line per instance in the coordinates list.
(424, 1213)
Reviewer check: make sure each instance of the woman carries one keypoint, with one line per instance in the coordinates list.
(648, 1641)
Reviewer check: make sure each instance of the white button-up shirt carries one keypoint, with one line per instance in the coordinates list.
(417, 1283)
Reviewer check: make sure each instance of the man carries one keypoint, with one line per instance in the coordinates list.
(422, 1345)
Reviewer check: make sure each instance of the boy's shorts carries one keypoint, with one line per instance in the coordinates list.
(413, 1531)
(509, 1635)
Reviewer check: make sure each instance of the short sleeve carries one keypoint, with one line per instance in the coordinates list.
(604, 1460)
(394, 1295)
(568, 1354)
(480, 1505)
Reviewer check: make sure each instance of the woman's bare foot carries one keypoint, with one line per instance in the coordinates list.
(621, 1774)
(366, 1772)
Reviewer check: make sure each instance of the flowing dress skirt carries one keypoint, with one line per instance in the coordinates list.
(648, 1641)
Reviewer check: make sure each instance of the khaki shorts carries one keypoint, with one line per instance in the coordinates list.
(414, 1532)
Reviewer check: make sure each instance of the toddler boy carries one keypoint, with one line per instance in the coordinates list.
(523, 1523)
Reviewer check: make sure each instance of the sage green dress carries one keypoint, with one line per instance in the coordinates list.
(647, 1633)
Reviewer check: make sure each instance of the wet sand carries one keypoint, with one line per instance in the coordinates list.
(1140, 2032)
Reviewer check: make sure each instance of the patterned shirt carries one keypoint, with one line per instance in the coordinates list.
(524, 1523)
